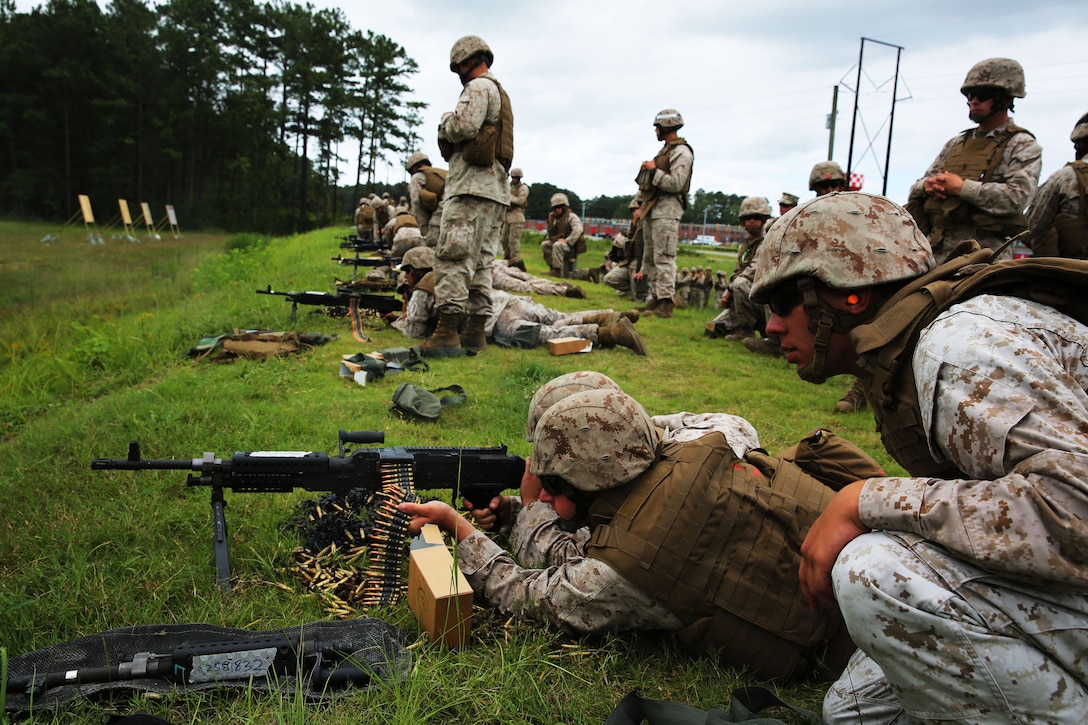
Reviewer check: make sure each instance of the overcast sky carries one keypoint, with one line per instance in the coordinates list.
(753, 80)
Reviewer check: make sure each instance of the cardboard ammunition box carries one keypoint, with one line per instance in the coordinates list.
(438, 593)
(568, 345)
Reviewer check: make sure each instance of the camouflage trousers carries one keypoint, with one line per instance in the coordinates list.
(622, 279)
(941, 640)
(742, 313)
(552, 324)
(557, 254)
(466, 249)
(659, 256)
(511, 237)
(433, 227)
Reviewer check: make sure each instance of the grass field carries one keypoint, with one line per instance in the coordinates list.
(93, 354)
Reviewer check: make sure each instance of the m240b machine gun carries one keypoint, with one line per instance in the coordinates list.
(475, 474)
(378, 303)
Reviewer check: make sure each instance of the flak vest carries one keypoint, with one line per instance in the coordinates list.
(559, 228)
(745, 254)
(1073, 231)
(404, 220)
(434, 187)
(974, 158)
(494, 141)
(650, 192)
(886, 345)
(717, 541)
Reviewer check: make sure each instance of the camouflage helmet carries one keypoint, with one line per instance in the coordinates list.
(377, 202)
(846, 240)
(668, 118)
(825, 171)
(788, 199)
(556, 389)
(754, 206)
(1003, 73)
(634, 203)
(594, 440)
(559, 199)
(467, 47)
(516, 172)
(421, 257)
(415, 159)
(1080, 131)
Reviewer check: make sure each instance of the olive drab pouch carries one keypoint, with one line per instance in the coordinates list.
(832, 460)
(255, 344)
(480, 150)
(412, 401)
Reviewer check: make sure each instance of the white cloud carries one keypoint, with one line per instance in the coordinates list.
(754, 81)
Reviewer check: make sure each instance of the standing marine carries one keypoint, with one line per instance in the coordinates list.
(477, 139)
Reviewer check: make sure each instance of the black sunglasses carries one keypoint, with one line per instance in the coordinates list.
(981, 94)
(784, 299)
(556, 486)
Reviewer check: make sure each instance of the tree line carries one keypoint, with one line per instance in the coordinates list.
(236, 112)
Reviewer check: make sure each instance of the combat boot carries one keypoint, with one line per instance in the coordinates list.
(594, 275)
(631, 315)
(445, 334)
(763, 345)
(623, 334)
(518, 263)
(474, 336)
(575, 292)
(664, 309)
(604, 318)
(649, 306)
(854, 400)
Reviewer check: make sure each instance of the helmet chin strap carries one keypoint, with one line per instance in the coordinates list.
(823, 320)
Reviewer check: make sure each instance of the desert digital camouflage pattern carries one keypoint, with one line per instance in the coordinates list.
(1057, 206)
(512, 279)
(825, 171)
(969, 598)
(561, 387)
(556, 583)
(594, 440)
(1004, 73)
(846, 240)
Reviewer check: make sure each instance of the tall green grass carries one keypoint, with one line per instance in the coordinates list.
(94, 343)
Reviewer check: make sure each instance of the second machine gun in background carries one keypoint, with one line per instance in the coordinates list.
(475, 474)
(378, 303)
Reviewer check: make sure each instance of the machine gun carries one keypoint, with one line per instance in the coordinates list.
(378, 303)
(330, 665)
(366, 261)
(475, 474)
(360, 244)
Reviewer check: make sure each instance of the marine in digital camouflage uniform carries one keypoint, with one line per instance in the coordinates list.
(664, 183)
(430, 220)
(563, 239)
(591, 450)
(476, 198)
(740, 318)
(1058, 216)
(514, 223)
(524, 321)
(965, 583)
(982, 180)
(515, 279)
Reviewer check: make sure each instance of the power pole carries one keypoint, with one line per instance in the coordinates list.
(857, 96)
(831, 123)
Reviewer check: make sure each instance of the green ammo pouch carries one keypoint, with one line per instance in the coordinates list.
(416, 402)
